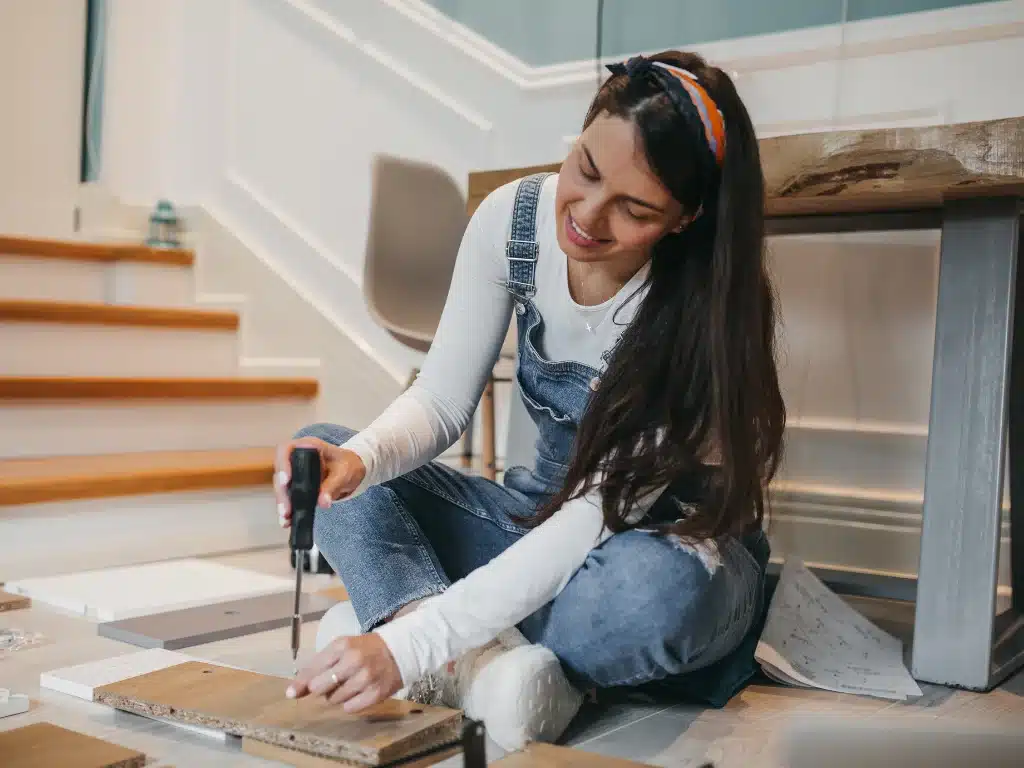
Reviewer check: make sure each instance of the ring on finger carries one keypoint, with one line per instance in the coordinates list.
(334, 679)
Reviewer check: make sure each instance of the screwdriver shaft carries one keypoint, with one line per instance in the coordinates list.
(296, 615)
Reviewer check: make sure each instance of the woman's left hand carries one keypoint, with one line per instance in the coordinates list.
(356, 671)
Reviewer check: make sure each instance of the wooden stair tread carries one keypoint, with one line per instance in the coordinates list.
(89, 313)
(74, 250)
(56, 478)
(42, 388)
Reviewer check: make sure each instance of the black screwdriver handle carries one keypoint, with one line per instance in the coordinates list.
(303, 490)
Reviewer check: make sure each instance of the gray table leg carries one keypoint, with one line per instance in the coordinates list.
(958, 640)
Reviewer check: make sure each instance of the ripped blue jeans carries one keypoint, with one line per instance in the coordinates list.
(643, 608)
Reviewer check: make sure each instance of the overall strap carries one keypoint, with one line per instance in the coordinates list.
(522, 249)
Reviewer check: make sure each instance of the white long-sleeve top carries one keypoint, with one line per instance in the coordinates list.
(432, 414)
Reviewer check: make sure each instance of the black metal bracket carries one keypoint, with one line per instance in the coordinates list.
(474, 753)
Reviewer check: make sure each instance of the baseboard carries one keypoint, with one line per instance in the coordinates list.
(63, 537)
(856, 529)
(840, 453)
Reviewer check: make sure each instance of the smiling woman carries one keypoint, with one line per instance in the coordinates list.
(631, 552)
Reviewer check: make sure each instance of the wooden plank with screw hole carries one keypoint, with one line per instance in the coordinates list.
(246, 703)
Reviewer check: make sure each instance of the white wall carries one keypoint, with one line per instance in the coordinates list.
(268, 114)
(42, 55)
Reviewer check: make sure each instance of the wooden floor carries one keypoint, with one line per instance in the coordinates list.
(748, 733)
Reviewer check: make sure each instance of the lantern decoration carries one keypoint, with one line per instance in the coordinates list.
(163, 226)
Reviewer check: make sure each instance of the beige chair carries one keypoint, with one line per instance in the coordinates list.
(417, 219)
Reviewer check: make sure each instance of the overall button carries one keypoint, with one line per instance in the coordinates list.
(520, 309)
(594, 382)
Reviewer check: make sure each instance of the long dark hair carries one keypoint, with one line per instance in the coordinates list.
(697, 363)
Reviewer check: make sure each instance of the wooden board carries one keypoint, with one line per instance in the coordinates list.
(218, 621)
(548, 756)
(82, 680)
(43, 388)
(44, 745)
(9, 602)
(869, 171)
(250, 704)
(61, 478)
(303, 760)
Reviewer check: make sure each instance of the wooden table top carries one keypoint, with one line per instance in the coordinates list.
(867, 171)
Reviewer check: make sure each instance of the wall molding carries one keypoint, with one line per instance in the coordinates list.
(344, 34)
(222, 212)
(474, 45)
(856, 530)
(238, 180)
(833, 43)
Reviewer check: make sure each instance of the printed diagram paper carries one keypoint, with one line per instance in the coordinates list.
(813, 639)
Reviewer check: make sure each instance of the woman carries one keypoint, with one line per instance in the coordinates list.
(631, 553)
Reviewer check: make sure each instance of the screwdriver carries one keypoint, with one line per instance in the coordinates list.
(303, 490)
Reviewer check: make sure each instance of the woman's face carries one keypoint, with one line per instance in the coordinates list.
(610, 204)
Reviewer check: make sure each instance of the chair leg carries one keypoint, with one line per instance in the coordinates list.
(467, 445)
(487, 424)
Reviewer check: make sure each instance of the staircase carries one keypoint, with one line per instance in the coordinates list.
(128, 431)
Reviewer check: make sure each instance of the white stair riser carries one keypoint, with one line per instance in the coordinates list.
(155, 285)
(23, 277)
(52, 280)
(95, 427)
(55, 349)
(64, 537)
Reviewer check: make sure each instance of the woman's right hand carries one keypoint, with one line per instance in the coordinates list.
(341, 472)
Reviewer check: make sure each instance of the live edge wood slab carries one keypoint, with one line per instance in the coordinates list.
(249, 704)
(867, 171)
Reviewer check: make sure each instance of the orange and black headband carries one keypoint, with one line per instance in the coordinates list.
(690, 98)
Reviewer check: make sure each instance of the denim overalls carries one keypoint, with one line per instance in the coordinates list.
(555, 393)
(642, 611)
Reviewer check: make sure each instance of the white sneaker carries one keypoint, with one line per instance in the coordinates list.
(522, 695)
(516, 689)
